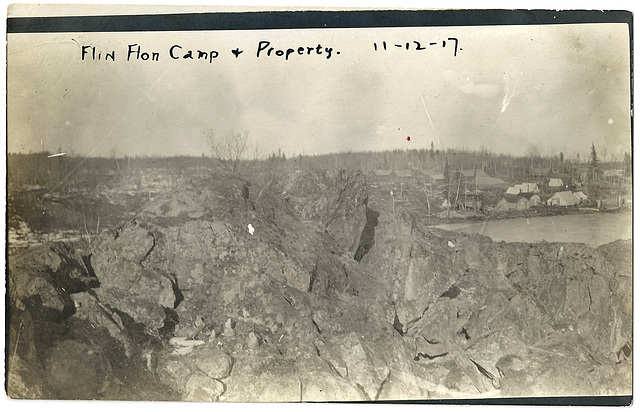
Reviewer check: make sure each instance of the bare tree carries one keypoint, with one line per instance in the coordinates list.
(231, 150)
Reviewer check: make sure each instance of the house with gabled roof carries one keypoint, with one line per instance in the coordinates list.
(533, 198)
(510, 202)
(565, 198)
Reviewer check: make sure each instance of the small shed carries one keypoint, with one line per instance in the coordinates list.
(502, 205)
(513, 190)
(533, 198)
(522, 203)
(513, 203)
(555, 182)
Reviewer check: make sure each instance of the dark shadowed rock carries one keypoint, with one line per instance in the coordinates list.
(47, 275)
(76, 370)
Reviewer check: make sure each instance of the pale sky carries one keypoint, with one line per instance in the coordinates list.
(558, 86)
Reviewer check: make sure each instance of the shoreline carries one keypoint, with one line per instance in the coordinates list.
(545, 211)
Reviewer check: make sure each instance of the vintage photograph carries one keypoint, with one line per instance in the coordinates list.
(318, 205)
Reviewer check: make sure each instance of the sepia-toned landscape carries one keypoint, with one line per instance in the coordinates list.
(424, 256)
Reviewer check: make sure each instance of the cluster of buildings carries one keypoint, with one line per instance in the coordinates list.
(518, 202)
(476, 190)
(553, 183)
(526, 195)
(523, 188)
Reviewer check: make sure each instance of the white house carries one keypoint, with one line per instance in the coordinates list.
(563, 199)
(523, 188)
(555, 182)
(528, 188)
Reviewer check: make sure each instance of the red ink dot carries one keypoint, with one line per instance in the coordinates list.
(408, 138)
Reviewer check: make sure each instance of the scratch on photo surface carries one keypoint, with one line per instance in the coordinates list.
(509, 93)
(146, 93)
(429, 117)
(57, 155)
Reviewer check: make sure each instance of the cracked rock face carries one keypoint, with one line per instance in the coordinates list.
(184, 302)
(331, 200)
(125, 281)
(552, 306)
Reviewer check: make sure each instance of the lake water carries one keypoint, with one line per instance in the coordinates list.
(594, 229)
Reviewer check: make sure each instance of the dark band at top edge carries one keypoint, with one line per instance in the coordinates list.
(265, 20)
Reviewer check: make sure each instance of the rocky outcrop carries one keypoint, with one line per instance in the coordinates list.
(188, 267)
(280, 289)
(55, 271)
(491, 313)
(331, 200)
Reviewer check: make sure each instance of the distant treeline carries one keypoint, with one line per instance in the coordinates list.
(39, 169)
(508, 167)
